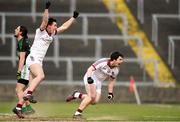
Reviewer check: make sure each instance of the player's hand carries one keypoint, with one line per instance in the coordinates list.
(75, 14)
(110, 96)
(48, 4)
(18, 75)
(90, 80)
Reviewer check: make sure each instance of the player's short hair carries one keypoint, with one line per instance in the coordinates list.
(51, 20)
(24, 31)
(115, 55)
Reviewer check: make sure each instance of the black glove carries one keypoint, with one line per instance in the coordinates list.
(110, 96)
(90, 80)
(75, 14)
(18, 75)
(48, 4)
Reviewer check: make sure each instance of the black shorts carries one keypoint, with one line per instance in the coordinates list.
(23, 81)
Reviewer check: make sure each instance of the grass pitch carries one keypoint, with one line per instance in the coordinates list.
(58, 111)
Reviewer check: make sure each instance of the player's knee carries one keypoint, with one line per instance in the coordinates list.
(41, 77)
(18, 90)
(89, 98)
(92, 98)
(93, 103)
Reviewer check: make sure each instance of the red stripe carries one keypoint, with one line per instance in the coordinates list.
(94, 67)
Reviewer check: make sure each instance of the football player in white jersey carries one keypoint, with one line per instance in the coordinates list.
(43, 38)
(105, 68)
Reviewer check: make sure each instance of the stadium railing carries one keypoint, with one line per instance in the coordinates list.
(171, 50)
(141, 12)
(84, 16)
(171, 46)
(56, 58)
(155, 18)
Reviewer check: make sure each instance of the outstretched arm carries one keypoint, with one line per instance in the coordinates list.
(111, 85)
(110, 88)
(45, 17)
(68, 23)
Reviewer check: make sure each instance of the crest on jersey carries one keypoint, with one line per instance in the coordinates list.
(108, 70)
(113, 74)
(32, 58)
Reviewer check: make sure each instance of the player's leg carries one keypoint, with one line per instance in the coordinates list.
(91, 95)
(38, 75)
(30, 81)
(20, 86)
(22, 83)
(75, 95)
(19, 92)
(98, 92)
(25, 74)
(27, 109)
(96, 100)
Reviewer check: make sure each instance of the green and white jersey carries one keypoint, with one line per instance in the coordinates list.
(23, 46)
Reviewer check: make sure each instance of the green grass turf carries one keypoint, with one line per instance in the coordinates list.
(101, 111)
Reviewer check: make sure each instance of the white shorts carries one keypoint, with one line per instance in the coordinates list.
(97, 83)
(33, 60)
(25, 72)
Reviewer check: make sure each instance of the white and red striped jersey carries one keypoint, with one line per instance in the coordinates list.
(41, 43)
(103, 70)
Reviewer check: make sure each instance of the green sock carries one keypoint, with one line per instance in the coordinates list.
(29, 107)
(24, 109)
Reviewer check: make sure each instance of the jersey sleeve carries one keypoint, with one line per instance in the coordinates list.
(99, 63)
(38, 31)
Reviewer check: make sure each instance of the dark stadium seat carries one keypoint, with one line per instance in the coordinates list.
(15, 6)
(73, 47)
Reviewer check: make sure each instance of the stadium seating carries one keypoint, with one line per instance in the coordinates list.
(168, 25)
(69, 47)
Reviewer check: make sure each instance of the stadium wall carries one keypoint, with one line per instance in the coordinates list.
(54, 92)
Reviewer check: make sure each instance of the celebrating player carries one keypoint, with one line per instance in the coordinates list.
(23, 50)
(43, 38)
(96, 73)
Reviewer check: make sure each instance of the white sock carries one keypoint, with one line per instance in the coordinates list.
(18, 108)
(76, 95)
(77, 113)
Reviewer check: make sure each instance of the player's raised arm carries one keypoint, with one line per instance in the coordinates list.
(68, 23)
(45, 17)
